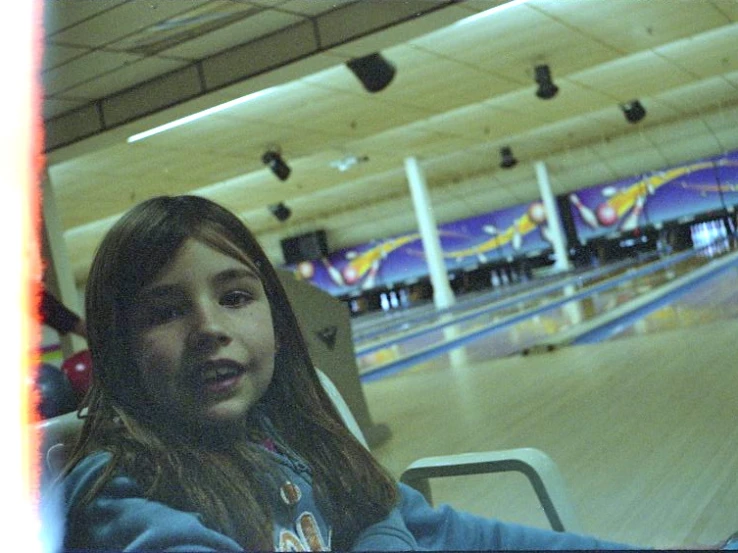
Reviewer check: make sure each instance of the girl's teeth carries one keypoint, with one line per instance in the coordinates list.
(215, 374)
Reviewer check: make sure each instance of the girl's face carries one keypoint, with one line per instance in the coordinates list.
(203, 338)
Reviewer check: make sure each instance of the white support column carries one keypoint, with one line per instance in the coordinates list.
(443, 296)
(555, 232)
(58, 277)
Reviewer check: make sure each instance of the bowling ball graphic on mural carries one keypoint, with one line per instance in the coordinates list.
(350, 274)
(606, 214)
(537, 213)
(306, 269)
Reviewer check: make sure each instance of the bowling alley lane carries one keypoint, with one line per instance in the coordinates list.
(641, 425)
(524, 325)
(714, 300)
(642, 429)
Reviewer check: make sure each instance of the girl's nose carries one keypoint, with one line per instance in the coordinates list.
(209, 330)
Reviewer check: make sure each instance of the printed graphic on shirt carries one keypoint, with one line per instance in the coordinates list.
(290, 493)
(307, 538)
(307, 535)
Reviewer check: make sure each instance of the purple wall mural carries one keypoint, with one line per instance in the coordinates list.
(686, 190)
(501, 235)
(727, 178)
(659, 196)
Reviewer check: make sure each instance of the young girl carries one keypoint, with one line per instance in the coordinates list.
(207, 427)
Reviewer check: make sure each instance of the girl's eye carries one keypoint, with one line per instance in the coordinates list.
(158, 315)
(236, 298)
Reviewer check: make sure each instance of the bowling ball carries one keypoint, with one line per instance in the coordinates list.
(306, 269)
(537, 212)
(55, 393)
(606, 214)
(78, 369)
(350, 274)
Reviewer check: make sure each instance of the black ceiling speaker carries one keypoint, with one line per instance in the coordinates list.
(276, 164)
(634, 111)
(546, 88)
(508, 159)
(280, 211)
(374, 72)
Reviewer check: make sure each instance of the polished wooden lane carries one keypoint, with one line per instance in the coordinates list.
(643, 429)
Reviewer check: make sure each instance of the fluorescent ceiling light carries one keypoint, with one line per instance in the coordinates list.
(199, 115)
(491, 11)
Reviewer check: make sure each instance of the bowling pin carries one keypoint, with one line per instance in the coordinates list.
(384, 302)
(631, 221)
(393, 300)
(371, 275)
(517, 239)
(334, 273)
(404, 301)
(588, 216)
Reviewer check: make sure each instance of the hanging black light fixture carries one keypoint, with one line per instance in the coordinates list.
(546, 87)
(508, 159)
(374, 72)
(280, 211)
(634, 111)
(274, 160)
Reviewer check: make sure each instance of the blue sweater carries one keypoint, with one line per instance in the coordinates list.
(120, 518)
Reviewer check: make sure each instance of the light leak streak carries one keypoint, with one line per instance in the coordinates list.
(20, 160)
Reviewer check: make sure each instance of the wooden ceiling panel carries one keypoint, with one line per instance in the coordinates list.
(634, 76)
(352, 116)
(415, 138)
(627, 161)
(513, 51)
(250, 28)
(61, 15)
(127, 75)
(55, 55)
(710, 53)
(463, 38)
(271, 3)
(701, 96)
(83, 69)
(485, 122)
(56, 106)
(686, 148)
(576, 169)
(124, 19)
(313, 8)
(634, 25)
(418, 70)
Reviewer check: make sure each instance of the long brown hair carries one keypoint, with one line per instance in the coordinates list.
(227, 483)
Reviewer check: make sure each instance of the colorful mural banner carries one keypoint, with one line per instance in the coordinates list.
(657, 197)
(501, 236)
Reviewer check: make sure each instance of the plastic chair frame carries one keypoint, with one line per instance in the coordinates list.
(58, 435)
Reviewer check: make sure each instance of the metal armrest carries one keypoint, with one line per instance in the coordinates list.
(538, 467)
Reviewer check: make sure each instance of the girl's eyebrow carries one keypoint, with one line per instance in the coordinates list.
(219, 279)
(156, 292)
(229, 275)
